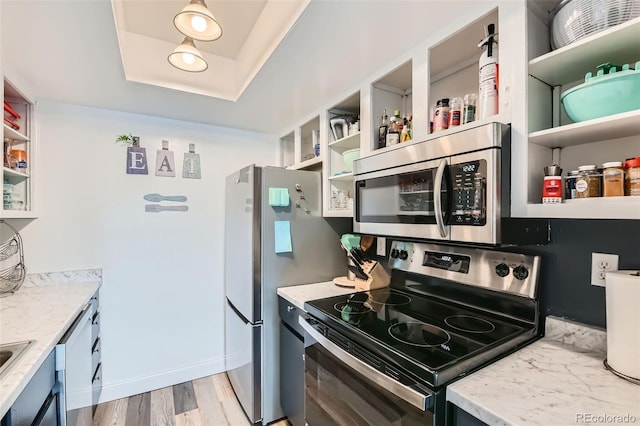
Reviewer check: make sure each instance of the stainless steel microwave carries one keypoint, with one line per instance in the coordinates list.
(454, 188)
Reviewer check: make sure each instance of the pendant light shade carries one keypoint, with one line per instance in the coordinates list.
(187, 58)
(197, 22)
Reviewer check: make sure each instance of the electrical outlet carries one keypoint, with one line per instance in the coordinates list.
(381, 246)
(601, 263)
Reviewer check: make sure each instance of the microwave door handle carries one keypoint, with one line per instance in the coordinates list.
(437, 198)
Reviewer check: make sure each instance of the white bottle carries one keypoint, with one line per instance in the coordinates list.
(488, 75)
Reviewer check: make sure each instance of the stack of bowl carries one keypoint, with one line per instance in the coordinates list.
(11, 201)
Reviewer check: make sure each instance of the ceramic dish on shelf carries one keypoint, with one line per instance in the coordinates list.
(615, 89)
(349, 157)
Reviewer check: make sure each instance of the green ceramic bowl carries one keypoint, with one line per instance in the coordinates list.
(349, 156)
(605, 94)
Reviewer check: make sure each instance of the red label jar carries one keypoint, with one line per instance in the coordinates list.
(552, 190)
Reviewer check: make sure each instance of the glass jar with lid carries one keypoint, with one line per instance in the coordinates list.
(570, 185)
(632, 178)
(612, 179)
(588, 182)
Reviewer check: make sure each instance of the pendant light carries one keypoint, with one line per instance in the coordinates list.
(187, 58)
(197, 22)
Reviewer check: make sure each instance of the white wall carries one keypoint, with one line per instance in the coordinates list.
(162, 293)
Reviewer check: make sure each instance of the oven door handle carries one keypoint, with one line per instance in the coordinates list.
(419, 398)
(437, 198)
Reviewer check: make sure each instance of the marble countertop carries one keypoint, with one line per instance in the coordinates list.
(549, 382)
(298, 294)
(41, 314)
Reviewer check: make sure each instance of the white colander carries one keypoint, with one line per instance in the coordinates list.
(575, 19)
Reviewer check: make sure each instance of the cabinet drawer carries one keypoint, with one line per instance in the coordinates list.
(96, 385)
(96, 351)
(289, 314)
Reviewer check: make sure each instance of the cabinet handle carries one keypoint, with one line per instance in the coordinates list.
(290, 308)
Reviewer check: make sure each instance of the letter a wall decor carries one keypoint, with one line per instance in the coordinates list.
(137, 159)
(165, 164)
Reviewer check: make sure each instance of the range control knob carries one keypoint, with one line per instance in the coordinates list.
(520, 272)
(394, 253)
(403, 255)
(502, 270)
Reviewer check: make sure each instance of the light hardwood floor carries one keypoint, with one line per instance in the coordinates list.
(209, 401)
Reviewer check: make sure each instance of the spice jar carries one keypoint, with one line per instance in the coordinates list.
(570, 185)
(632, 178)
(612, 179)
(588, 182)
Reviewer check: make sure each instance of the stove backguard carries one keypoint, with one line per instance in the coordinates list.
(501, 283)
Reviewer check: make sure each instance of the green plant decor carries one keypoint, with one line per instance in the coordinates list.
(127, 139)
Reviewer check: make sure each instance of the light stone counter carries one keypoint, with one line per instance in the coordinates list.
(298, 294)
(550, 382)
(41, 314)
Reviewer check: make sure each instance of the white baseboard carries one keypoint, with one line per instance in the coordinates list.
(138, 385)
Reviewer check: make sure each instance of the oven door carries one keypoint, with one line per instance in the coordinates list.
(341, 389)
(409, 201)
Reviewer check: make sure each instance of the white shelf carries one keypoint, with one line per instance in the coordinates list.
(343, 176)
(349, 142)
(589, 208)
(18, 214)
(605, 128)
(618, 44)
(338, 213)
(306, 164)
(12, 173)
(14, 135)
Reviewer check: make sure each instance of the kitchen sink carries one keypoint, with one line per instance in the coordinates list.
(9, 353)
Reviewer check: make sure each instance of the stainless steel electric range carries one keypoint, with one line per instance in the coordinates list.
(385, 356)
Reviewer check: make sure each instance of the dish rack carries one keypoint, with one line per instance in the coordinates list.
(12, 269)
(572, 20)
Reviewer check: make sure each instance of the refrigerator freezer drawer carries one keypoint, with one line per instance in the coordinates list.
(242, 361)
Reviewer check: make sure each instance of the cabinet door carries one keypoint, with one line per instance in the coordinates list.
(48, 415)
(26, 408)
(292, 375)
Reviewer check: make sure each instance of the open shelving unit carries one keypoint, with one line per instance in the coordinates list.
(555, 138)
(21, 202)
(338, 191)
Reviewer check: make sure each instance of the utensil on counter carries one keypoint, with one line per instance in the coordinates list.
(155, 208)
(156, 198)
(366, 241)
(358, 271)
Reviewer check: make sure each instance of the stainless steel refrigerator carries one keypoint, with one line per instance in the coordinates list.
(275, 237)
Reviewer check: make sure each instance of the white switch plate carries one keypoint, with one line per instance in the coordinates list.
(381, 246)
(601, 263)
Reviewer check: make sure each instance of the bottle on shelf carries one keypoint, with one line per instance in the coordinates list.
(469, 108)
(383, 129)
(488, 74)
(455, 112)
(393, 133)
(406, 134)
(441, 115)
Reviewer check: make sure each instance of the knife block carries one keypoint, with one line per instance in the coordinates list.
(378, 277)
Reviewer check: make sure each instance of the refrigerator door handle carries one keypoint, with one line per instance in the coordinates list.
(242, 317)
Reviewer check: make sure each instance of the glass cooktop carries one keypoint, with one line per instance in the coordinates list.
(426, 335)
